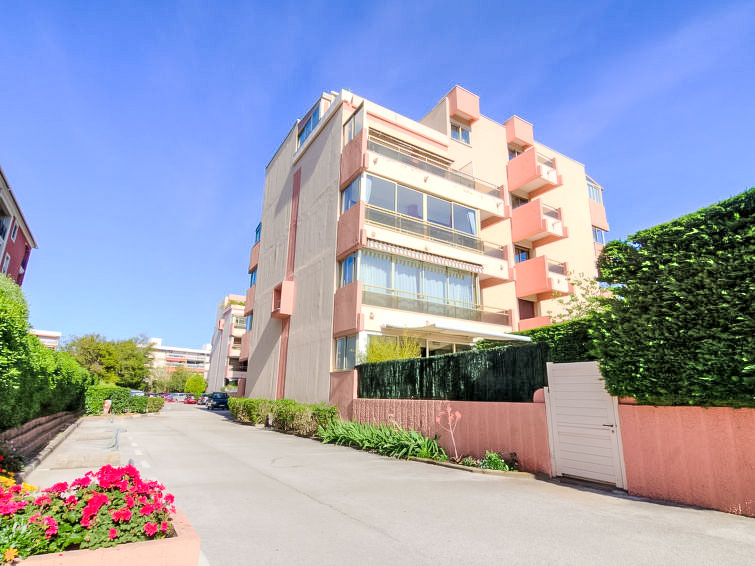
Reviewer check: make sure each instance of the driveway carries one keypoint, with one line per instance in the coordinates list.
(260, 497)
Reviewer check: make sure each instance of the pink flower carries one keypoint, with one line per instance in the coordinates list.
(112, 533)
(42, 500)
(53, 526)
(169, 498)
(130, 501)
(122, 514)
(164, 526)
(150, 528)
(57, 488)
(33, 518)
(81, 482)
(71, 500)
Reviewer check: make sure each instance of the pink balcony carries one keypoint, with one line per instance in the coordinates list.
(283, 300)
(537, 224)
(246, 346)
(254, 257)
(534, 322)
(354, 157)
(249, 302)
(463, 104)
(519, 132)
(598, 215)
(542, 279)
(351, 232)
(531, 175)
(347, 310)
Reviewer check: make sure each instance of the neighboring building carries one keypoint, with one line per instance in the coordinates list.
(49, 338)
(226, 370)
(449, 230)
(16, 240)
(172, 357)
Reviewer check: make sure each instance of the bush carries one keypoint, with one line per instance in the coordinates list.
(138, 404)
(195, 384)
(681, 327)
(154, 404)
(493, 461)
(97, 394)
(288, 415)
(253, 411)
(567, 341)
(388, 440)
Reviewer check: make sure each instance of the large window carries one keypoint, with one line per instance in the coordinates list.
(460, 133)
(350, 195)
(348, 270)
(521, 254)
(595, 192)
(249, 322)
(258, 233)
(253, 278)
(310, 125)
(14, 232)
(599, 236)
(6, 263)
(346, 352)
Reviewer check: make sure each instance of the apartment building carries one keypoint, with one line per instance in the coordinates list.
(170, 358)
(226, 370)
(16, 241)
(449, 229)
(49, 338)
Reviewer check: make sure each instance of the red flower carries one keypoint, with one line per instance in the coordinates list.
(42, 500)
(53, 526)
(122, 514)
(57, 488)
(169, 498)
(164, 526)
(146, 510)
(112, 533)
(34, 517)
(81, 482)
(71, 500)
(150, 528)
(130, 501)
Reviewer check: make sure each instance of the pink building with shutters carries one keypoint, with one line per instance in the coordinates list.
(16, 241)
(449, 229)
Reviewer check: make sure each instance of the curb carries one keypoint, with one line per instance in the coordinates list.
(45, 452)
(519, 475)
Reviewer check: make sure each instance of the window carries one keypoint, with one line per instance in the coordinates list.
(438, 211)
(350, 195)
(348, 270)
(516, 201)
(460, 133)
(4, 224)
(249, 322)
(465, 219)
(409, 202)
(513, 153)
(599, 236)
(258, 233)
(309, 126)
(595, 192)
(14, 232)
(521, 254)
(253, 278)
(346, 352)
(380, 193)
(239, 322)
(6, 262)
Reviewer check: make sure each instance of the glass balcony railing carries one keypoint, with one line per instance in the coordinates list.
(406, 301)
(430, 231)
(425, 165)
(556, 268)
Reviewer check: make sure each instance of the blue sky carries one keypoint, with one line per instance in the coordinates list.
(135, 135)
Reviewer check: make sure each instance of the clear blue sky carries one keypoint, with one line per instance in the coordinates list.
(135, 134)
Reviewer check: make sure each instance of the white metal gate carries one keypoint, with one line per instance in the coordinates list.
(583, 424)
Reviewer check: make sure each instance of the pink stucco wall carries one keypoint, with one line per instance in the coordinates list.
(598, 215)
(519, 131)
(343, 391)
(500, 427)
(251, 294)
(354, 157)
(463, 104)
(254, 257)
(693, 455)
(347, 310)
(351, 233)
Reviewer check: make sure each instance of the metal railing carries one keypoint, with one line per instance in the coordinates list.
(425, 165)
(429, 231)
(418, 302)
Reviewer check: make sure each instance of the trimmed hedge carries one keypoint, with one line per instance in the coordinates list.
(97, 394)
(567, 341)
(154, 404)
(288, 415)
(138, 404)
(681, 328)
(510, 373)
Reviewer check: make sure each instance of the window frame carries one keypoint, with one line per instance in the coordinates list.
(602, 233)
(14, 231)
(342, 350)
(6, 263)
(461, 129)
(253, 277)
(594, 190)
(519, 251)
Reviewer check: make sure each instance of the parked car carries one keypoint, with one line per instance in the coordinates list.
(218, 400)
(190, 400)
(136, 393)
(179, 397)
(168, 397)
(203, 399)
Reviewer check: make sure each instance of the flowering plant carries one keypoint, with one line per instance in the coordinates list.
(103, 508)
(448, 420)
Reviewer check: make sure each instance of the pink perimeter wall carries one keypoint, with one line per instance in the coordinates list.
(693, 455)
(500, 427)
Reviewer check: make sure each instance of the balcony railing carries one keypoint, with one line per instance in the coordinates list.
(552, 212)
(425, 165)
(429, 231)
(557, 268)
(414, 302)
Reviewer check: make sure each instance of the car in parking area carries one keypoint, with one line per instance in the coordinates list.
(217, 400)
(203, 399)
(190, 400)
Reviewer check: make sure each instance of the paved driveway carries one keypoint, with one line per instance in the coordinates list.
(260, 497)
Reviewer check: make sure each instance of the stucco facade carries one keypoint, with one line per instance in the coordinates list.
(447, 230)
(16, 240)
(170, 358)
(225, 367)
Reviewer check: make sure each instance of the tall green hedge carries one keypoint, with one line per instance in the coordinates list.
(34, 380)
(567, 341)
(681, 328)
(497, 374)
(120, 398)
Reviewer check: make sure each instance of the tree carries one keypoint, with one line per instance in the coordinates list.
(121, 362)
(178, 379)
(195, 385)
(586, 300)
(384, 348)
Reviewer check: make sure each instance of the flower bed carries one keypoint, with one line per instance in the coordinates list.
(100, 509)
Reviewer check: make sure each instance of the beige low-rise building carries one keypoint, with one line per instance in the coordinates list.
(227, 372)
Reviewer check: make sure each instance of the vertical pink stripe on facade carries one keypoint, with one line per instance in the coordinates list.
(290, 258)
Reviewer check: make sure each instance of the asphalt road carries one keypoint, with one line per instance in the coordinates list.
(260, 497)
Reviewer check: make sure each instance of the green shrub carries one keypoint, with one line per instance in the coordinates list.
(567, 341)
(680, 329)
(253, 411)
(154, 404)
(493, 461)
(290, 416)
(388, 440)
(96, 395)
(195, 384)
(138, 404)
(322, 414)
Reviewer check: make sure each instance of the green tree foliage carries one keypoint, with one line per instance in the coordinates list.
(177, 380)
(195, 385)
(570, 341)
(119, 362)
(586, 300)
(681, 327)
(385, 348)
(34, 381)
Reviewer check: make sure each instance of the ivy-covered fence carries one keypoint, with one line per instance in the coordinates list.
(567, 341)
(499, 374)
(681, 328)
